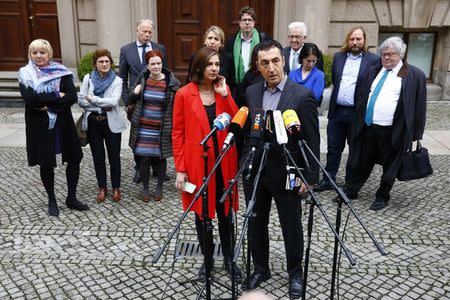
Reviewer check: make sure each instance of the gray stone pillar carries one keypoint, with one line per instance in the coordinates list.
(67, 34)
(114, 26)
(317, 20)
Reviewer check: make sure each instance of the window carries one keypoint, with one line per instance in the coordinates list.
(420, 48)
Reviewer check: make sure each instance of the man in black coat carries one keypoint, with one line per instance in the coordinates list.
(132, 62)
(277, 92)
(390, 116)
(349, 68)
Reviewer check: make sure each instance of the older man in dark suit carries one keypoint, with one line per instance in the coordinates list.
(349, 68)
(389, 118)
(132, 62)
(297, 37)
(277, 92)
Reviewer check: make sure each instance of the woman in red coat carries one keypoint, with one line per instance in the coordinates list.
(196, 106)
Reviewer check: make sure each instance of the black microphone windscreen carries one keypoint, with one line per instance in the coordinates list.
(256, 127)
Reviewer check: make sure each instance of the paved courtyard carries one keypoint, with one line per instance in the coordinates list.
(107, 252)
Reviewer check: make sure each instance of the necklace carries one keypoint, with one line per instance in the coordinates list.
(206, 93)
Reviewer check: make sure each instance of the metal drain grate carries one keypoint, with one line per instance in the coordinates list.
(185, 248)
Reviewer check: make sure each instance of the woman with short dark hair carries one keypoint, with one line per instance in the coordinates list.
(308, 74)
(99, 97)
(48, 91)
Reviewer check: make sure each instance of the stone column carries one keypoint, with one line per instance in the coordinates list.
(144, 9)
(114, 26)
(68, 35)
(317, 20)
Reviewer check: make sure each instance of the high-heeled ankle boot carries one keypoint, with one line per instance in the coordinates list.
(53, 209)
(102, 192)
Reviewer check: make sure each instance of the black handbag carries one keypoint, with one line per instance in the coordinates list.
(415, 164)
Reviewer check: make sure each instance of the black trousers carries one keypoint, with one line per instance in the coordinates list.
(338, 133)
(377, 141)
(100, 135)
(226, 226)
(289, 214)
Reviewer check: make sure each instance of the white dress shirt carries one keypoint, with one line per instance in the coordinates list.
(384, 109)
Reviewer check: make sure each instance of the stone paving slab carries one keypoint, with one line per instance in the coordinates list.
(107, 252)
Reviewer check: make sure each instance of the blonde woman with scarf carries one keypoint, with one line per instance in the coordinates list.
(48, 91)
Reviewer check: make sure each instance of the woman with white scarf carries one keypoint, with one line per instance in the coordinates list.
(48, 91)
(99, 96)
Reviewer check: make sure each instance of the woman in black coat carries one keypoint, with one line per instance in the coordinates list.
(48, 91)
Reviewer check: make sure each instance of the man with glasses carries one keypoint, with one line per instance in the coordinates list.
(132, 62)
(297, 37)
(240, 46)
(277, 92)
(390, 116)
(349, 67)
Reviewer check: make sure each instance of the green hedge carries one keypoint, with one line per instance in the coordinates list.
(85, 65)
(327, 60)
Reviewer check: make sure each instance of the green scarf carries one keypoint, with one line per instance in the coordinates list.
(237, 54)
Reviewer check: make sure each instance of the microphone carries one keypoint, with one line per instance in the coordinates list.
(268, 127)
(221, 122)
(280, 130)
(255, 137)
(236, 126)
(294, 128)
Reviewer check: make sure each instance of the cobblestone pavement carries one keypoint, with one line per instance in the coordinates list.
(107, 252)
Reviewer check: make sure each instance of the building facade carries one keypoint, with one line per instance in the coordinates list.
(85, 25)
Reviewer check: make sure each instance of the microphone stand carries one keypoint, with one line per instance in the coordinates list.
(317, 203)
(207, 226)
(229, 192)
(342, 199)
(249, 212)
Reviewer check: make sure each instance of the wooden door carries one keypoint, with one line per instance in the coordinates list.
(22, 21)
(182, 23)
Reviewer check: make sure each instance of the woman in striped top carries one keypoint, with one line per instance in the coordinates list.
(151, 121)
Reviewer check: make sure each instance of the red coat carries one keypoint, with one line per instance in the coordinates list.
(190, 126)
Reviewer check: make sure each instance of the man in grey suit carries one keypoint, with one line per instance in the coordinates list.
(132, 62)
(277, 92)
(297, 37)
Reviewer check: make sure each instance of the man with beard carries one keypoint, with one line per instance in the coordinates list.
(349, 68)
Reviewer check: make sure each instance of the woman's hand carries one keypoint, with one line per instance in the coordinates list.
(88, 98)
(220, 86)
(137, 89)
(180, 180)
(61, 94)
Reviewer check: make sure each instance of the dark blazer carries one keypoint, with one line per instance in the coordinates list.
(130, 66)
(300, 99)
(41, 141)
(229, 44)
(286, 54)
(368, 61)
(409, 116)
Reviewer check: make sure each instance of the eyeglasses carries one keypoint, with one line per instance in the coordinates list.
(247, 20)
(265, 63)
(388, 54)
(298, 37)
(103, 62)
